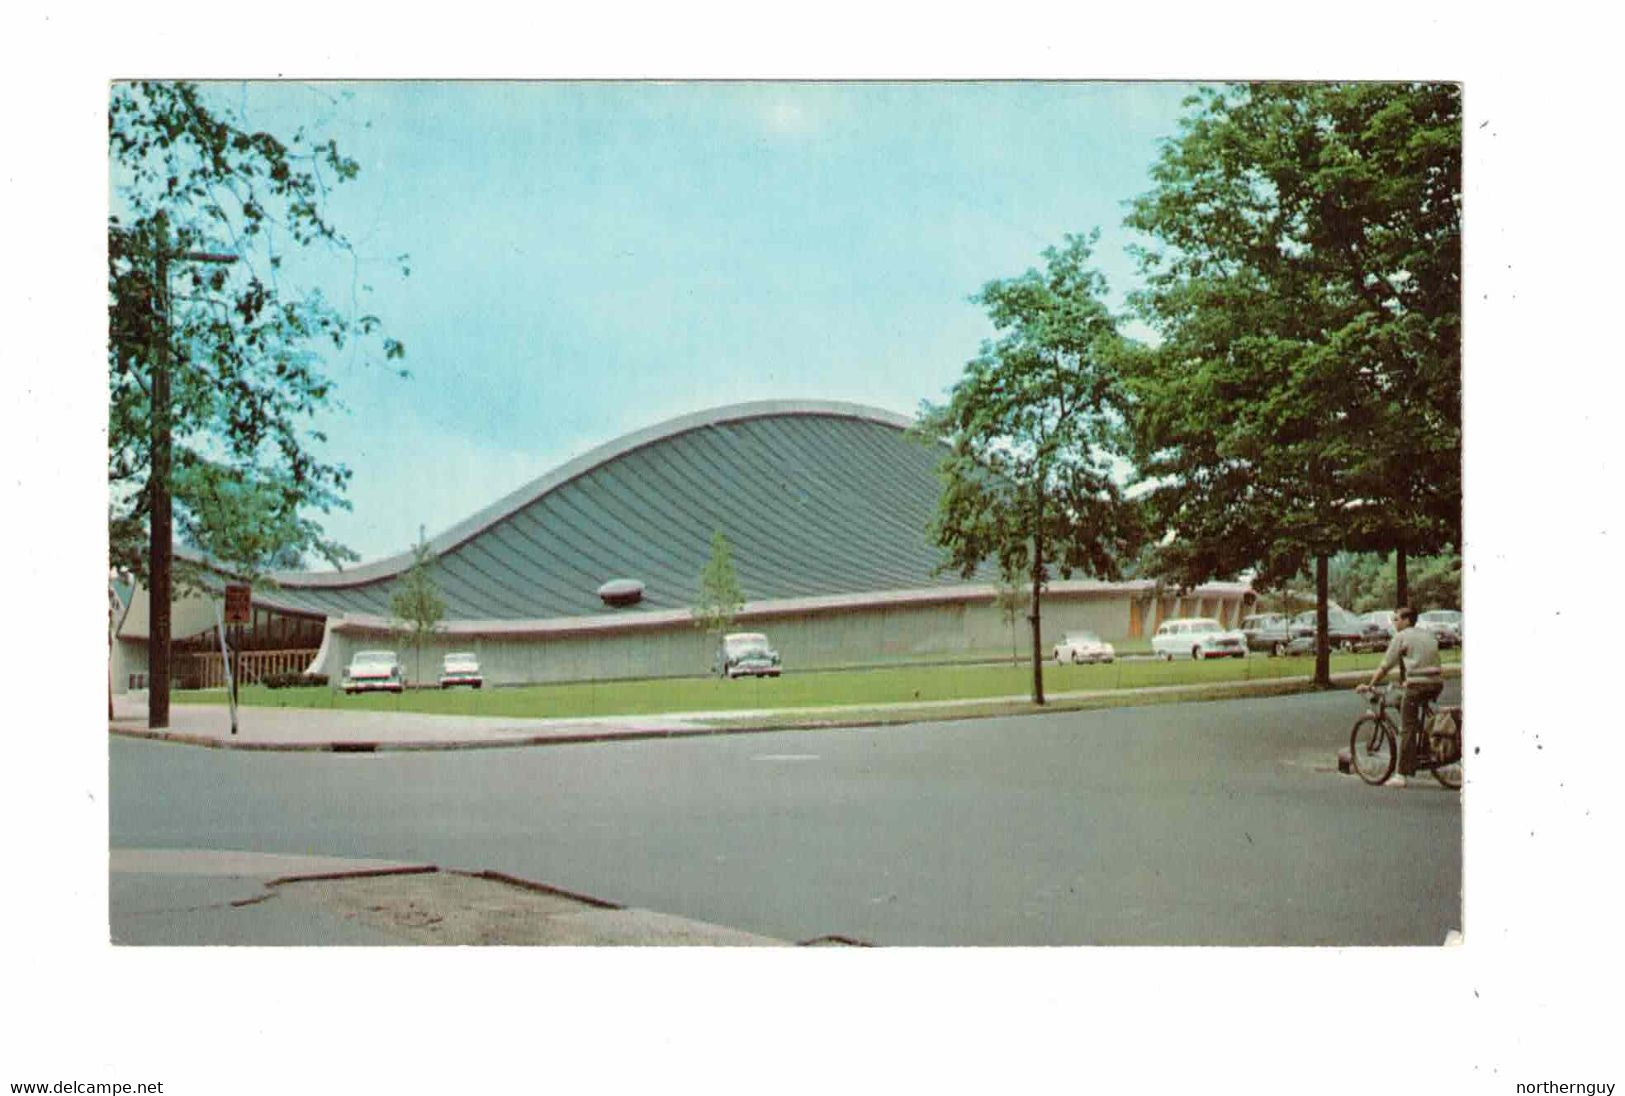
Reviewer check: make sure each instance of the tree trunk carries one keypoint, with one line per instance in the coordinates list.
(1323, 652)
(1402, 581)
(1037, 584)
(1038, 646)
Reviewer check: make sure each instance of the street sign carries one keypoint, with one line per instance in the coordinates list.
(225, 653)
(239, 603)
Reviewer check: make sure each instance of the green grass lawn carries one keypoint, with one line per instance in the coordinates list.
(886, 685)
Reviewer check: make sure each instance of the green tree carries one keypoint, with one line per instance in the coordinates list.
(720, 597)
(1011, 599)
(1304, 395)
(1028, 477)
(1366, 581)
(245, 343)
(416, 604)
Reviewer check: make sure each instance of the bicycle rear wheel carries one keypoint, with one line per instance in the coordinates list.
(1372, 749)
(1448, 746)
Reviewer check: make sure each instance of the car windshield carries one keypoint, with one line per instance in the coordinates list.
(1205, 626)
(747, 645)
(464, 656)
(1441, 616)
(1082, 637)
(373, 658)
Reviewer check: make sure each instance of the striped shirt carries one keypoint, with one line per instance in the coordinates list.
(1416, 652)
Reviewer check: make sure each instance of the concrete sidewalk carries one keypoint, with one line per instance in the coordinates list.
(335, 730)
(332, 729)
(200, 897)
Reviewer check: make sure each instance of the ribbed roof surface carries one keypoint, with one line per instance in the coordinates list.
(813, 498)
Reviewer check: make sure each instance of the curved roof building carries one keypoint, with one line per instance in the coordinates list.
(815, 498)
(826, 506)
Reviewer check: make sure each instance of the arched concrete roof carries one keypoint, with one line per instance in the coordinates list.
(816, 498)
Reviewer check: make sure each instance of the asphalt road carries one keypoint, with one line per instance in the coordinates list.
(1212, 823)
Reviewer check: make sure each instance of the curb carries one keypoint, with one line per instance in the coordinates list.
(950, 711)
(566, 739)
(494, 876)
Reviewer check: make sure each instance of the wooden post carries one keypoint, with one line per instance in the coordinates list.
(161, 531)
(160, 587)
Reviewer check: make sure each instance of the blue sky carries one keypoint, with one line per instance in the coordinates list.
(591, 258)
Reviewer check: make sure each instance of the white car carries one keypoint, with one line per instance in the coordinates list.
(1445, 624)
(747, 654)
(1084, 647)
(370, 670)
(1198, 638)
(460, 668)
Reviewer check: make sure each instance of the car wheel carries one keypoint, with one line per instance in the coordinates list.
(1278, 650)
(1196, 654)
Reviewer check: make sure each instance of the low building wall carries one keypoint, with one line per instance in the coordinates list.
(129, 669)
(812, 634)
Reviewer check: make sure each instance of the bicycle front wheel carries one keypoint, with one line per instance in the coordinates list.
(1372, 749)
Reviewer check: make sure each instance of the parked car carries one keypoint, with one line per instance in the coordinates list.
(1199, 638)
(1445, 624)
(1380, 625)
(1266, 632)
(1301, 644)
(1343, 629)
(371, 670)
(1084, 647)
(747, 654)
(460, 668)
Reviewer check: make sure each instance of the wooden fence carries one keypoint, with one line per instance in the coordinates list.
(208, 670)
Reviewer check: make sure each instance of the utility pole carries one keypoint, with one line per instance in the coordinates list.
(160, 523)
(160, 586)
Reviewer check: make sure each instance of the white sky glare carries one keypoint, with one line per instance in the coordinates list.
(591, 258)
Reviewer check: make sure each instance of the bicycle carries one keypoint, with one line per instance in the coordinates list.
(1374, 742)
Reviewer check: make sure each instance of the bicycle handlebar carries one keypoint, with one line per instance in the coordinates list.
(1383, 693)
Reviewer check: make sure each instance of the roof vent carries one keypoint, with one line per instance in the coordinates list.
(618, 592)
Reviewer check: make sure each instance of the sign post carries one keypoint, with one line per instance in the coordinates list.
(239, 610)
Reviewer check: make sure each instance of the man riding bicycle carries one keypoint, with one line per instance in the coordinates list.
(1416, 652)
